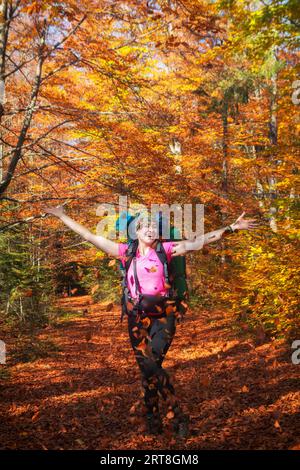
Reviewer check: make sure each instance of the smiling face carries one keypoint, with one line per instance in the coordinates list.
(147, 233)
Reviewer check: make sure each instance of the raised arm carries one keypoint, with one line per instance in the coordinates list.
(184, 246)
(106, 245)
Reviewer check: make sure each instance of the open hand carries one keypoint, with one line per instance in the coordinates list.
(57, 211)
(179, 248)
(245, 224)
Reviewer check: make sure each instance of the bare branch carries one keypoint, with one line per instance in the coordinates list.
(64, 39)
(26, 123)
(59, 69)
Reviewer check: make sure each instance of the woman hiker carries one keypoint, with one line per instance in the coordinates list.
(151, 336)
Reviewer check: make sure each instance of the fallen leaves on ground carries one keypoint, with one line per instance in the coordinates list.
(239, 395)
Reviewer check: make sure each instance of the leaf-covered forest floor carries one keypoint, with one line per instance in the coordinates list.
(87, 393)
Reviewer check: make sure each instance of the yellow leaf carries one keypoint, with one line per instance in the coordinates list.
(93, 290)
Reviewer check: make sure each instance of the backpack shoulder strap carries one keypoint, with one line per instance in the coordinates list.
(130, 254)
(162, 255)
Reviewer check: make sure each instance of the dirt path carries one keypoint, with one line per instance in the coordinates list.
(239, 396)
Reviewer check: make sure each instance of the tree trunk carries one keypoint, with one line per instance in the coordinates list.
(224, 183)
(3, 42)
(273, 138)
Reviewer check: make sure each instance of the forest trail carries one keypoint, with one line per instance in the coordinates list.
(239, 396)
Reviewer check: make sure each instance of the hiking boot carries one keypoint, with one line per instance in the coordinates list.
(181, 424)
(184, 427)
(154, 423)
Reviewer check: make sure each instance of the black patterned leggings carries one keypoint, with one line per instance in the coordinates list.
(150, 339)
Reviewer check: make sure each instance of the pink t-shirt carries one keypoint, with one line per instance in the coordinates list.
(149, 269)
